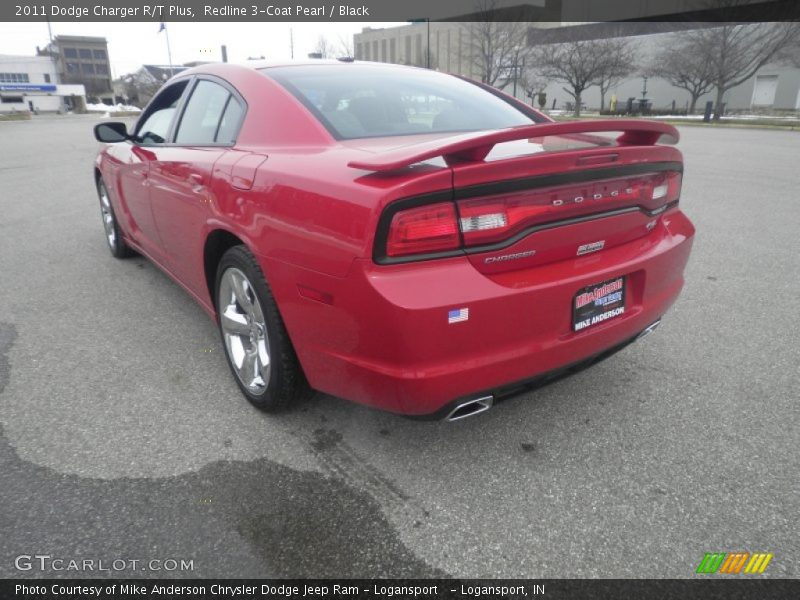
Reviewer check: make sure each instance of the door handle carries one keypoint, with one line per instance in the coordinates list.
(196, 181)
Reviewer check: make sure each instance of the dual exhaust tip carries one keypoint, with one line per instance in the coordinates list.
(470, 408)
(476, 406)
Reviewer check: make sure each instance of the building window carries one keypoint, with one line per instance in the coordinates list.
(393, 50)
(383, 50)
(419, 50)
(47, 77)
(70, 53)
(72, 67)
(12, 99)
(87, 68)
(101, 69)
(375, 50)
(14, 78)
(407, 57)
(359, 55)
(366, 50)
(99, 54)
(85, 53)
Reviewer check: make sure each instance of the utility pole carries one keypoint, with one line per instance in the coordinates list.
(428, 52)
(518, 68)
(291, 42)
(428, 21)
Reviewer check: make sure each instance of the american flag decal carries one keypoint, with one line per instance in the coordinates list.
(458, 315)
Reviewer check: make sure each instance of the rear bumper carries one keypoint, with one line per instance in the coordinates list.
(385, 339)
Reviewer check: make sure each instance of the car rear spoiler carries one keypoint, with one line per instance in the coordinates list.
(474, 146)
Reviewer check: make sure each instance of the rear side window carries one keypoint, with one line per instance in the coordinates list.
(207, 119)
(229, 125)
(356, 101)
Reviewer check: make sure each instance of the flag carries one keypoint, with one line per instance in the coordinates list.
(458, 315)
(162, 27)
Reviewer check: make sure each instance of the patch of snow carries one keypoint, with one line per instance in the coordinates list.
(105, 108)
(734, 117)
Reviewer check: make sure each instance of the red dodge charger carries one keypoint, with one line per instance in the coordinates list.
(406, 239)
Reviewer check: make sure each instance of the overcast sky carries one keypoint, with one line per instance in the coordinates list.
(132, 44)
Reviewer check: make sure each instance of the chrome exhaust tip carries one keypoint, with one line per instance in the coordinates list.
(648, 330)
(470, 408)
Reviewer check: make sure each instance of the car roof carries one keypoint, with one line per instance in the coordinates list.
(258, 65)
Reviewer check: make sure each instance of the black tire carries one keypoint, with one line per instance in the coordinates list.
(114, 239)
(285, 383)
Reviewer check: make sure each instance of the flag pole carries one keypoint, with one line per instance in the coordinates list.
(169, 51)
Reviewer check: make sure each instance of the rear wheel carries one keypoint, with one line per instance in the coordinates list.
(117, 245)
(257, 346)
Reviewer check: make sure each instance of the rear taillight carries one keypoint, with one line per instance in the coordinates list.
(446, 227)
(495, 219)
(423, 230)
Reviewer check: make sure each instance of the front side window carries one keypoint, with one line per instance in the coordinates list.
(358, 101)
(201, 121)
(154, 124)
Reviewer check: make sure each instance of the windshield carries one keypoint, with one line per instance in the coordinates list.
(358, 101)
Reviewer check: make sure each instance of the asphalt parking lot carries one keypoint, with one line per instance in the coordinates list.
(123, 435)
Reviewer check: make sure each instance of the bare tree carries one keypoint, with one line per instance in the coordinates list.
(621, 56)
(531, 83)
(790, 55)
(323, 47)
(584, 63)
(682, 65)
(140, 87)
(345, 48)
(422, 60)
(494, 48)
(734, 52)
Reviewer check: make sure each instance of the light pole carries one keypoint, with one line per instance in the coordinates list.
(428, 48)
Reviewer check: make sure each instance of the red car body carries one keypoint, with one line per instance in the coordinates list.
(416, 334)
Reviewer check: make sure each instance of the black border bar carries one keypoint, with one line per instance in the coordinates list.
(706, 588)
(564, 11)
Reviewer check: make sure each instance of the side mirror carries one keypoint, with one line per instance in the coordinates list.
(111, 133)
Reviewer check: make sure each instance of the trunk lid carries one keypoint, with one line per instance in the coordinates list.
(536, 194)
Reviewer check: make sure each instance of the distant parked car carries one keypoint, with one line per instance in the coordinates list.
(399, 237)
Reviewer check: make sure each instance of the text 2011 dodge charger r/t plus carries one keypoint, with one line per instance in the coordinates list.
(395, 236)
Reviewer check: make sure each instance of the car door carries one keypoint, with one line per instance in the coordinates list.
(135, 160)
(180, 177)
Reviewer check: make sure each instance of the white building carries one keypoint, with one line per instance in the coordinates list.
(30, 83)
(774, 87)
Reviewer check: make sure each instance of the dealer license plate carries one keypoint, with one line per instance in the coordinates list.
(598, 303)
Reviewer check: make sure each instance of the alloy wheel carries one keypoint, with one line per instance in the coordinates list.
(108, 217)
(244, 330)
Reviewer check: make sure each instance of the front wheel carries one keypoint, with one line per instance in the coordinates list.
(117, 245)
(257, 346)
